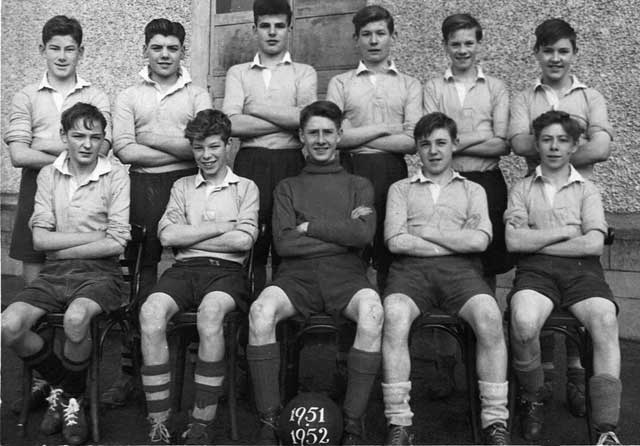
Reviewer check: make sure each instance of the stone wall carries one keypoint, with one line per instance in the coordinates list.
(113, 39)
(608, 60)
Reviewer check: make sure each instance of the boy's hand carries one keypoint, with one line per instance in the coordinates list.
(302, 228)
(573, 231)
(361, 211)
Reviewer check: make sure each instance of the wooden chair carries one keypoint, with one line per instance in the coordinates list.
(121, 317)
(563, 322)
(184, 327)
(466, 340)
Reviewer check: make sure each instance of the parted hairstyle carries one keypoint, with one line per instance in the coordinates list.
(81, 111)
(325, 109)
(552, 30)
(569, 125)
(271, 7)
(164, 27)
(457, 22)
(369, 14)
(207, 123)
(61, 25)
(433, 121)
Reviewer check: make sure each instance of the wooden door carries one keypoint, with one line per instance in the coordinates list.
(322, 37)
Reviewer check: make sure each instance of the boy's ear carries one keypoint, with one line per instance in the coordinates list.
(63, 136)
(301, 135)
(41, 48)
(80, 51)
(144, 50)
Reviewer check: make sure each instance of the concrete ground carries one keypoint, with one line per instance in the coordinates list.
(435, 422)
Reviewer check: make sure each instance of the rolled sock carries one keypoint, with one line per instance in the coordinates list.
(547, 347)
(493, 403)
(396, 398)
(264, 365)
(75, 382)
(575, 375)
(45, 362)
(209, 377)
(530, 376)
(156, 382)
(605, 391)
(362, 368)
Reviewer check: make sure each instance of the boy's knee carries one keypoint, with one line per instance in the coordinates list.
(76, 323)
(12, 328)
(210, 319)
(261, 315)
(151, 317)
(524, 328)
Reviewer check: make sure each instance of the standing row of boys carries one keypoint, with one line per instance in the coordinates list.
(426, 231)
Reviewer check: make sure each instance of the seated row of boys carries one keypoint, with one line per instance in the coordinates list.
(263, 99)
(437, 222)
(149, 118)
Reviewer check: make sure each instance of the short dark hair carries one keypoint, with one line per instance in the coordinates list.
(552, 30)
(372, 13)
(457, 22)
(164, 27)
(207, 123)
(61, 25)
(570, 125)
(433, 121)
(271, 7)
(81, 111)
(325, 109)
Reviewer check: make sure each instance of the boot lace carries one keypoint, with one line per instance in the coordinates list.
(608, 438)
(70, 412)
(54, 398)
(159, 431)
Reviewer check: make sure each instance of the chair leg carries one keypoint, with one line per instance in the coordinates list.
(472, 382)
(27, 375)
(94, 379)
(178, 377)
(587, 363)
(231, 340)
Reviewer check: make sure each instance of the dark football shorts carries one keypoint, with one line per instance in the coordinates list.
(323, 284)
(446, 282)
(62, 281)
(188, 281)
(564, 280)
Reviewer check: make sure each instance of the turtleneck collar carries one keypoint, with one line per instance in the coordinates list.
(330, 167)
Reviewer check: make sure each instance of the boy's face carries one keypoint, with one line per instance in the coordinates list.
(555, 60)
(83, 143)
(272, 34)
(462, 48)
(555, 147)
(436, 151)
(320, 137)
(210, 155)
(62, 54)
(164, 54)
(374, 41)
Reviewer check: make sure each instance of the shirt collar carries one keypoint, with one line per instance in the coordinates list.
(575, 84)
(286, 59)
(184, 77)
(419, 177)
(229, 178)
(574, 175)
(103, 166)
(448, 74)
(362, 68)
(80, 83)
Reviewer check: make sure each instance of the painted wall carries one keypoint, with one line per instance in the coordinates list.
(609, 58)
